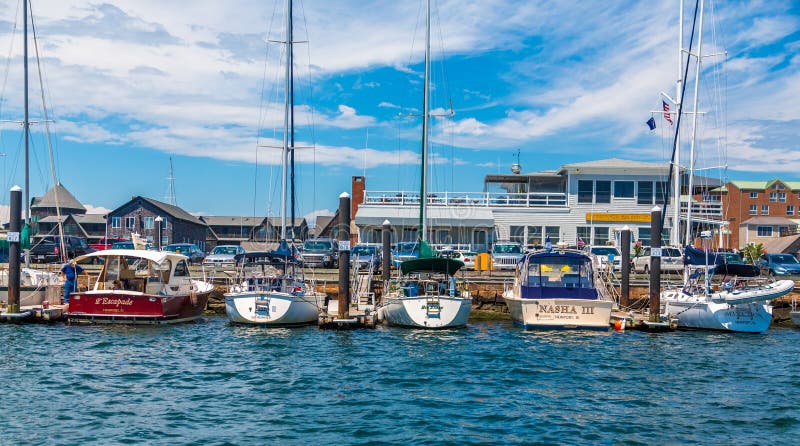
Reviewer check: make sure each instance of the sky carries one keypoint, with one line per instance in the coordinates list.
(131, 84)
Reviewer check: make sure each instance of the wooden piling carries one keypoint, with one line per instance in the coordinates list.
(655, 264)
(625, 291)
(14, 249)
(344, 255)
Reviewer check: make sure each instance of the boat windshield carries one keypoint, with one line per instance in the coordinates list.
(560, 273)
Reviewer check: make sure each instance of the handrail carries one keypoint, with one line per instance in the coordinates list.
(480, 199)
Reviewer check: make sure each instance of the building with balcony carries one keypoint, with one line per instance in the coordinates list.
(590, 200)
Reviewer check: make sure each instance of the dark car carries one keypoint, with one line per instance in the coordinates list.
(780, 264)
(190, 250)
(48, 249)
(366, 257)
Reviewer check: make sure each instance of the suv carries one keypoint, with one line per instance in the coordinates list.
(190, 250)
(48, 250)
(223, 255)
(603, 254)
(780, 264)
(671, 260)
(366, 257)
(320, 252)
(404, 251)
(506, 255)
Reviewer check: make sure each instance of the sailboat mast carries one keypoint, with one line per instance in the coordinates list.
(423, 196)
(290, 49)
(287, 105)
(26, 122)
(699, 57)
(676, 177)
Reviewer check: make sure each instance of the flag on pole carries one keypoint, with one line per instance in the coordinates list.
(667, 116)
(548, 245)
(651, 123)
(581, 243)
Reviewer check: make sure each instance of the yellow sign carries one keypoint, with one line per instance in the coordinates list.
(621, 218)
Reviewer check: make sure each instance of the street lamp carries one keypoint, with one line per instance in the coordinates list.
(158, 221)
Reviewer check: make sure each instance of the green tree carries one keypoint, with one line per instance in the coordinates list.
(752, 252)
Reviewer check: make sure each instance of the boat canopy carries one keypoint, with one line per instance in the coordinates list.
(261, 258)
(540, 256)
(734, 269)
(433, 264)
(153, 256)
(696, 256)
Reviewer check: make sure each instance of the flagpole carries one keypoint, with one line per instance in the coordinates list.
(675, 231)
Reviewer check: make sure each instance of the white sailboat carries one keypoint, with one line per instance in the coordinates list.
(427, 294)
(715, 295)
(277, 295)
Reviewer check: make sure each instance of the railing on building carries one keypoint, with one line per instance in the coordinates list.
(707, 209)
(481, 199)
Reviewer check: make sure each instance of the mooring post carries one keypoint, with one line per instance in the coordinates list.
(386, 260)
(655, 264)
(14, 249)
(625, 240)
(344, 255)
(158, 221)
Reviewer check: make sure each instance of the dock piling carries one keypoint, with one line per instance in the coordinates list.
(386, 260)
(15, 205)
(344, 255)
(655, 264)
(625, 241)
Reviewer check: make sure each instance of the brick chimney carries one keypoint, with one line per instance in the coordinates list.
(356, 198)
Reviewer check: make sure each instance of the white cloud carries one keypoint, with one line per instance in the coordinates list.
(96, 209)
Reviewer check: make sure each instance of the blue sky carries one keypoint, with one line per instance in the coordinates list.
(131, 83)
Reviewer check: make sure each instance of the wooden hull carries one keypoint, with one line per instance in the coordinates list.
(130, 307)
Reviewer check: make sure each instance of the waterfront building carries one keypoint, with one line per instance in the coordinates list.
(296, 231)
(139, 216)
(88, 226)
(751, 208)
(590, 201)
(232, 230)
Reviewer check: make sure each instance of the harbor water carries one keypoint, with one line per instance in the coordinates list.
(212, 383)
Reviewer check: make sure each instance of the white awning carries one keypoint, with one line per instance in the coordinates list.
(454, 216)
(154, 256)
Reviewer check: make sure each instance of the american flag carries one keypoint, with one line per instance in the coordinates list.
(667, 116)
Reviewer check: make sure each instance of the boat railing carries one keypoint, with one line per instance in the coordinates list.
(469, 199)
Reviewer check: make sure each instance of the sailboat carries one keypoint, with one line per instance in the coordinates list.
(269, 289)
(427, 295)
(716, 294)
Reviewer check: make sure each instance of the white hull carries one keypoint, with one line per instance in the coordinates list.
(752, 317)
(767, 292)
(273, 308)
(559, 313)
(422, 312)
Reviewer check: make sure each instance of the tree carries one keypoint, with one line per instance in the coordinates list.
(752, 252)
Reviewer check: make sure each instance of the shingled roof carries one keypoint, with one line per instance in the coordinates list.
(174, 211)
(66, 200)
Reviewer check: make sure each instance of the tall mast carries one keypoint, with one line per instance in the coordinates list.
(290, 39)
(423, 196)
(699, 57)
(675, 234)
(286, 116)
(26, 122)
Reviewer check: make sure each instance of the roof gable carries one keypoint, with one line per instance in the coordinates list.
(58, 194)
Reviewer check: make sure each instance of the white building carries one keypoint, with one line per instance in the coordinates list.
(590, 200)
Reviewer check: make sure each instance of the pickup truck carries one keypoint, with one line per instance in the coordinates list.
(106, 244)
(48, 250)
(320, 252)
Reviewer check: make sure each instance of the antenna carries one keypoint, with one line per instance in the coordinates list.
(170, 198)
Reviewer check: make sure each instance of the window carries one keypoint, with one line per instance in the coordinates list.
(534, 235)
(780, 186)
(645, 192)
(584, 233)
(661, 192)
(764, 231)
(773, 197)
(585, 191)
(602, 192)
(149, 222)
(782, 197)
(754, 195)
(600, 235)
(553, 232)
(753, 209)
(517, 234)
(783, 231)
(116, 222)
(623, 189)
(130, 222)
(790, 209)
(644, 236)
(764, 209)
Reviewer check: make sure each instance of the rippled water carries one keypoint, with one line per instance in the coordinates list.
(212, 383)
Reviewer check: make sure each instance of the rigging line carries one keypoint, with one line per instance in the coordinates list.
(8, 59)
(678, 120)
(261, 111)
(311, 112)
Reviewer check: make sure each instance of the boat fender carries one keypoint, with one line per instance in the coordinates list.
(193, 297)
(619, 324)
(296, 291)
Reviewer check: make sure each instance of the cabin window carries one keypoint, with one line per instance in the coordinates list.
(585, 191)
(560, 273)
(623, 189)
(116, 222)
(764, 231)
(181, 269)
(645, 192)
(602, 192)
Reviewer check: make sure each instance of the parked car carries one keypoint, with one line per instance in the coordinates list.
(366, 257)
(222, 255)
(404, 251)
(107, 243)
(468, 257)
(506, 255)
(130, 245)
(190, 250)
(320, 252)
(780, 264)
(48, 250)
(671, 260)
(602, 254)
